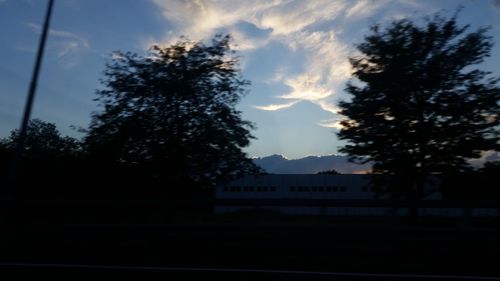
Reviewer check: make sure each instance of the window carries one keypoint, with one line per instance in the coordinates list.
(306, 188)
(251, 188)
(292, 188)
(320, 188)
(226, 189)
(264, 188)
(335, 188)
(273, 188)
(329, 189)
(343, 188)
(314, 188)
(364, 189)
(301, 188)
(246, 188)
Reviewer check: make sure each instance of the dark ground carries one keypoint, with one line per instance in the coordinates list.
(246, 242)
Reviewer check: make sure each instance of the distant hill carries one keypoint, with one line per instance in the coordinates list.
(278, 164)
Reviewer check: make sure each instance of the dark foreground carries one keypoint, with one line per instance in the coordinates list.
(21, 270)
(357, 248)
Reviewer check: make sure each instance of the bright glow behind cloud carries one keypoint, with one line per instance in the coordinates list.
(304, 27)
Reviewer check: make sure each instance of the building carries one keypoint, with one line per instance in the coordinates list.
(344, 195)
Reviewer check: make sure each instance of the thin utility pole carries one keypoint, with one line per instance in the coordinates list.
(31, 93)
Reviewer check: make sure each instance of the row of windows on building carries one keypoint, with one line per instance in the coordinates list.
(318, 188)
(291, 188)
(250, 188)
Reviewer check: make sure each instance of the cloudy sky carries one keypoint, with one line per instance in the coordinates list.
(294, 52)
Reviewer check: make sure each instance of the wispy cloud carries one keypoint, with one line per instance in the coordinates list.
(330, 123)
(61, 34)
(310, 28)
(67, 43)
(329, 106)
(364, 8)
(274, 107)
(117, 56)
(278, 76)
(306, 87)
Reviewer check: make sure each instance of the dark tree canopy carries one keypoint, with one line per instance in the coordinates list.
(328, 172)
(173, 112)
(48, 165)
(43, 142)
(419, 103)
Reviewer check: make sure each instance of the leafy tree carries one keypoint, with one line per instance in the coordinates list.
(43, 142)
(419, 103)
(47, 165)
(173, 114)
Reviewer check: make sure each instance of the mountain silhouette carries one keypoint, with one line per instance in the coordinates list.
(278, 164)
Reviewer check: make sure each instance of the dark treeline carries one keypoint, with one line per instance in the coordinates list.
(48, 163)
(167, 127)
(479, 184)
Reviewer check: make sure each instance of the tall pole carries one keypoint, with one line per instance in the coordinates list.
(31, 92)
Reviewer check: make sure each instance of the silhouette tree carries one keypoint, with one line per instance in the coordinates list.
(420, 105)
(43, 141)
(47, 161)
(328, 172)
(172, 114)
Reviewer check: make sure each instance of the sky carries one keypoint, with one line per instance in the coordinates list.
(295, 53)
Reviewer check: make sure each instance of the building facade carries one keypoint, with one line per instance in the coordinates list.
(323, 195)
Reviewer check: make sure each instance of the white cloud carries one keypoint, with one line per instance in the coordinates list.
(62, 34)
(278, 76)
(327, 105)
(309, 28)
(364, 8)
(201, 19)
(273, 107)
(117, 56)
(67, 47)
(244, 43)
(330, 123)
(306, 87)
(296, 16)
(67, 43)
